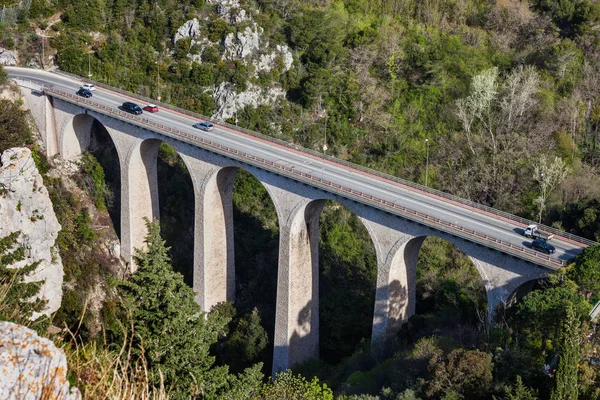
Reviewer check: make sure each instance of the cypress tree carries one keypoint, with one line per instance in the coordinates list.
(169, 325)
(570, 353)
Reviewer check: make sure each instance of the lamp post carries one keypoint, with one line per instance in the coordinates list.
(325, 139)
(89, 62)
(427, 163)
(157, 80)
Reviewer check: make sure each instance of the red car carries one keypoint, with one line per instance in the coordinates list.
(151, 108)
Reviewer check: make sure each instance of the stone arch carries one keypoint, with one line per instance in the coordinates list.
(142, 185)
(76, 136)
(214, 279)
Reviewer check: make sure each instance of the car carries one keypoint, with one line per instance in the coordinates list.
(132, 108)
(84, 93)
(151, 108)
(205, 126)
(543, 246)
(88, 86)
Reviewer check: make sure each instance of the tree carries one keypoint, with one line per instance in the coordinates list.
(586, 271)
(462, 372)
(519, 392)
(287, 386)
(15, 293)
(170, 326)
(566, 386)
(542, 311)
(14, 131)
(548, 174)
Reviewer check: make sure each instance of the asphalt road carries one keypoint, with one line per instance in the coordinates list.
(455, 213)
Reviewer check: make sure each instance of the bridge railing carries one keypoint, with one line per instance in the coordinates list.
(387, 206)
(372, 172)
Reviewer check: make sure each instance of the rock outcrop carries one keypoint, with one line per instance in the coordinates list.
(7, 57)
(248, 45)
(26, 207)
(32, 367)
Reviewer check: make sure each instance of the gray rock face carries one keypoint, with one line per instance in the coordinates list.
(247, 45)
(7, 57)
(242, 44)
(26, 207)
(190, 29)
(230, 10)
(31, 367)
(229, 101)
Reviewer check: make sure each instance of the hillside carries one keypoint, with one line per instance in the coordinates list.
(496, 101)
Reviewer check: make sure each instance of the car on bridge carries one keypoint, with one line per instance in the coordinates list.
(151, 108)
(132, 108)
(88, 86)
(543, 246)
(84, 93)
(205, 126)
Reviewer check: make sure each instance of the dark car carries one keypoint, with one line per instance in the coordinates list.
(84, 93)
(205, 126)
(151, 108)
(132, 108)
(542, 245)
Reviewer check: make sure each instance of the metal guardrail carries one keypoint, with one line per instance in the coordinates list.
(454, 229)
(372, 172)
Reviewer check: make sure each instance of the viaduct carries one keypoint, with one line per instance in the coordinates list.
(299, 183)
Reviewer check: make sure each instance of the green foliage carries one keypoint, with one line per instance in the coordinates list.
(568, 361)
(14, 131)
(288, 386)
(3, 76)
(541, 312)
(15, 293)
(586, 271)
(218, 29)
(169, 324)
(467, 373)
(95, 180)
(519, 391)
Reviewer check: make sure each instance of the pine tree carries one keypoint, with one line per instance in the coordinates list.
(15, 293)
(570, 353)
(170, 326)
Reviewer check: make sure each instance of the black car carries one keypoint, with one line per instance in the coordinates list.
(542, 245)
(132, 108)
(84, 93)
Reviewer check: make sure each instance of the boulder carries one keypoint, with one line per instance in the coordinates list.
(7, 57)
(32, 367)
(190, 29)
(25, 207)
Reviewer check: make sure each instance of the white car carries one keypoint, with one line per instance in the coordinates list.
(205, 126)
(88, 86)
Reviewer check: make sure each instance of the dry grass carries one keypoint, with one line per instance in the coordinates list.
(97, 371)
(101, 373)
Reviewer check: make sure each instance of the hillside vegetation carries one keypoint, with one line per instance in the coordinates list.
(494, 101)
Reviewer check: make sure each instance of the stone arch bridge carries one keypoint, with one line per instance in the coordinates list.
(298, 191)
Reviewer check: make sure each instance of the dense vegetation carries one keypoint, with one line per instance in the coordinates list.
(495, 101)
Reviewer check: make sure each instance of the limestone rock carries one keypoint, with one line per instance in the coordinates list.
(7, 57)
(229, 101)
(243, 44)
(26, 207)
(190, 29)
(230, 10)
(266, 62)
(32, 367)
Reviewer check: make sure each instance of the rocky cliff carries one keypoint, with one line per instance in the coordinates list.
(31, 367)
(26, 207)
(246, 44)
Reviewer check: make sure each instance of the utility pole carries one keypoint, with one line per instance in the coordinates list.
(157, 79)
(427, 163)
(89, 62)
(43, 56)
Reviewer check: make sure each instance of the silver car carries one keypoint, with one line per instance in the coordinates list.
(205, 126)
